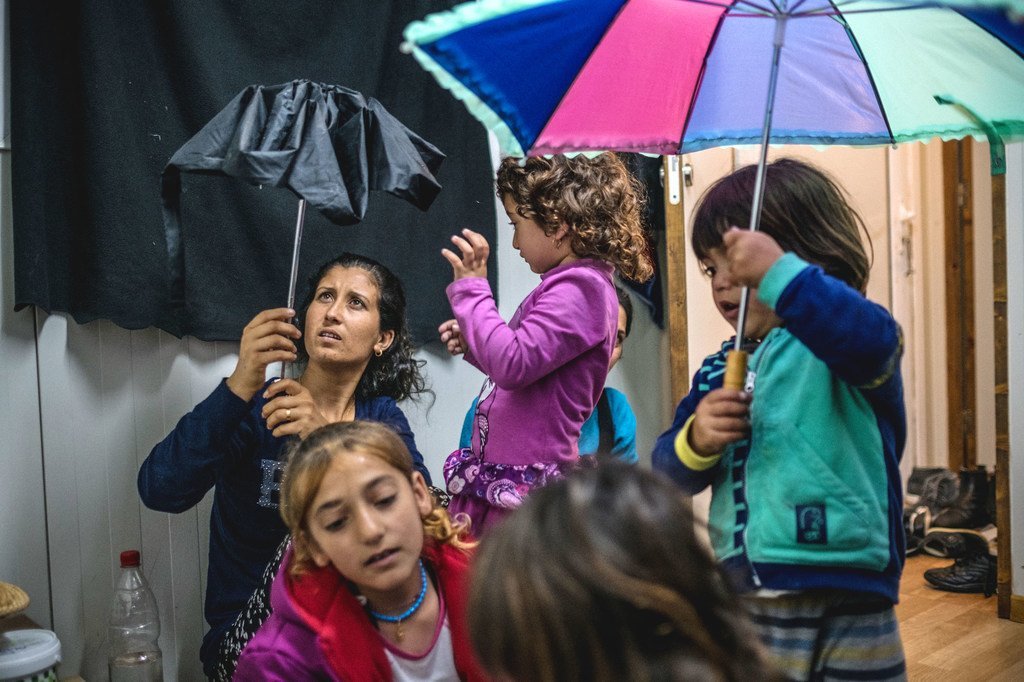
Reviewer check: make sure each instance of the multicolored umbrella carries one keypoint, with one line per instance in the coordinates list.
(675, 76)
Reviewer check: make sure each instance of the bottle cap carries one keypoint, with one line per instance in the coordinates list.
(129, 557)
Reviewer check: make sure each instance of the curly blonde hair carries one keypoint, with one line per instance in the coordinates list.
(596, 198)
(308, 462)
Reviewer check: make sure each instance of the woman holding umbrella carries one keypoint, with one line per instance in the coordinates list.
(352, 335)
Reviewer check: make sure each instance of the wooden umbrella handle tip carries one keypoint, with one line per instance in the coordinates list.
(735, 370)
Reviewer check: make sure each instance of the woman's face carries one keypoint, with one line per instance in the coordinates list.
(343, 320)
(366, 520)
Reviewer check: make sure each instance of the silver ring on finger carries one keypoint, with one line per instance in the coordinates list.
(288, 414)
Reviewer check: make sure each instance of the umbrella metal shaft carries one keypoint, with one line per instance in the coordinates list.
(300, 220)
(735, 375)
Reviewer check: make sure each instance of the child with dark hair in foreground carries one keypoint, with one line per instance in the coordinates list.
(803, 463)
(602, 577)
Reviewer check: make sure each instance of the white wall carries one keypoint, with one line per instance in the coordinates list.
(23, 555)
(1015, 339)
(984, 320)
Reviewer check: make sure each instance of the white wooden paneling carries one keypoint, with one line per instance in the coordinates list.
(172, 545)
(108, 396)
(61, 389)
(23, 560)
(148, 382)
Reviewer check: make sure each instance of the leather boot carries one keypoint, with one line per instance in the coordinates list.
(972, 574)
(918, 475)
(970, 509)
(937, 489)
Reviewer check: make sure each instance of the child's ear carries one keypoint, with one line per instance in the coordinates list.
(561, 233)
(420, 492)
(319, 558)
(315, 553)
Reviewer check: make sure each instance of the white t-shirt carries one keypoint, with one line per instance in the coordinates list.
(436, 664)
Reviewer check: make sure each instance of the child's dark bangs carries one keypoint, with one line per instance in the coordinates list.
(725, 204)
(714, 216)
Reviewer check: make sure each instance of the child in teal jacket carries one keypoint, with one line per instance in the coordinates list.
(804, 462)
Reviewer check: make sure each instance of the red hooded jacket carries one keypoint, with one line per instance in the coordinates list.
(317, 629)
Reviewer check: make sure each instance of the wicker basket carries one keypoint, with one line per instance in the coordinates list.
(12, 599)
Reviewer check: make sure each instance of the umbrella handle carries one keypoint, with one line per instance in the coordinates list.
(735, 370)
(300, 220)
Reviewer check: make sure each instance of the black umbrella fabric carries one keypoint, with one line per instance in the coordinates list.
(326, 143)
(137, 80)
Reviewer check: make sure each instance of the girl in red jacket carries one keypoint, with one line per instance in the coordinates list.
(374, 585)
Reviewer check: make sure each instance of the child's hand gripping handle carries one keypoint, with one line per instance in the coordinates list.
(736, 360)
(735, 370)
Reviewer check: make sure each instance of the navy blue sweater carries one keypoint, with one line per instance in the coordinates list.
(224, 444)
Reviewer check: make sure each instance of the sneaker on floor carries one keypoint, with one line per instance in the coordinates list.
(953, 543)
(971, 574)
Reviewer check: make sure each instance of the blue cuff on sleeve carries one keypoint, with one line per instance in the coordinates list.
(778, 277)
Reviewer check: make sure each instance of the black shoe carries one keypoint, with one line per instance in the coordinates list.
(916, 522)
(953, 543)
(918, 476)
(970, 510)
(936, 489)
(971, 574)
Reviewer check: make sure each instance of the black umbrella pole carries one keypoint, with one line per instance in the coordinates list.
(736, 361)
(300, 220)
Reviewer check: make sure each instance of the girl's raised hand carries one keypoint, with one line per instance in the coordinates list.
(750, 254)
(269, 337)
(721, 418)
(451, 337)
(290, 410)
(472, 260)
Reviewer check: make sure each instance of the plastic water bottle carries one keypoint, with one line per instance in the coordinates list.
(134, 627)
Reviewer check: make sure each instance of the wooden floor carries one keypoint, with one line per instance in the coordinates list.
(954, 637)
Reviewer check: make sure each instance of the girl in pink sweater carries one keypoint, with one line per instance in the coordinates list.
(575, 220)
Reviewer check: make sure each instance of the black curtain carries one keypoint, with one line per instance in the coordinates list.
(104, 92)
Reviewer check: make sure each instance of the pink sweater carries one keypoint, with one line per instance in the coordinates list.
(548, 364)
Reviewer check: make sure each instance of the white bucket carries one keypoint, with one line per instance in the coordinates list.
(29, 656)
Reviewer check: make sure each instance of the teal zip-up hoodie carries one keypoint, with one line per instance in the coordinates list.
(813, 499)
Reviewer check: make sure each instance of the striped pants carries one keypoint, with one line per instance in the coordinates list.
(830, 635)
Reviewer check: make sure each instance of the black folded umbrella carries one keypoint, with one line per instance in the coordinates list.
(326, 143)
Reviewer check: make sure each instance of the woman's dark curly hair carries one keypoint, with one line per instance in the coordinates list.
(597, 198)
(396, 373)
(803, 209)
